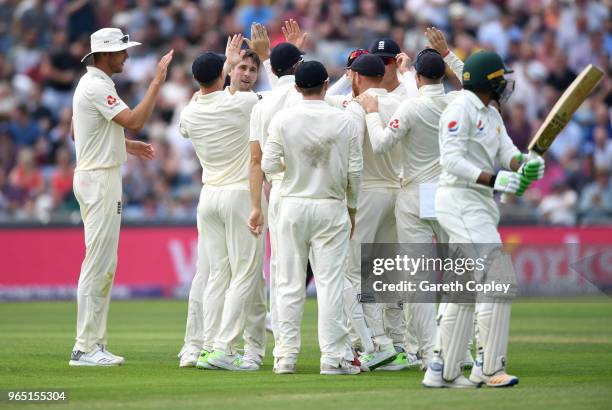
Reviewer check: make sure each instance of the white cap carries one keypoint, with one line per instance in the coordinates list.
(109, 40)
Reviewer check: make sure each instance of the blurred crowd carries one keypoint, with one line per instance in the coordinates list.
(546, 42)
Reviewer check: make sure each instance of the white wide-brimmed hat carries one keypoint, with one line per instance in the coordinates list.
(109, 40)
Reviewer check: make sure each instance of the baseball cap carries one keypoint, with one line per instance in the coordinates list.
(429, 63)
(310, 74)
(284, 56)
(207, 67)
(369, 65)
(353, 56)
(385, 47)
(109, 40)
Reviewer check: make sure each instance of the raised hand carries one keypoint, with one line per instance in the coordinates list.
(259, 41)
(233, 51)
(437, 41)
(162, 66)
(293, 34)
(403, 62)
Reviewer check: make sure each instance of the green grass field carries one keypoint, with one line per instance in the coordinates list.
(561, 351)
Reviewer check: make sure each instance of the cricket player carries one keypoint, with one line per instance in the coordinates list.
(375, 220)
(217, 124)
(316, 147)
(414, 125)
(99, 119)
(242, 79)
(473, 140)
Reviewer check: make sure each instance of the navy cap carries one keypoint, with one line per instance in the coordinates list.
(385, 47)
(369, 65)
(207, 67)
(429, 63)
(310, 74)
(284, 56)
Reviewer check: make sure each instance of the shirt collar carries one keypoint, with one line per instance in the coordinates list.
(95, 70)
(377, 91)
(473, 98)
(204, 98)
(313, 102)
(286, 80)
(431, 89)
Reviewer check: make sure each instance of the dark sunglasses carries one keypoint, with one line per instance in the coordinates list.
(353, 56)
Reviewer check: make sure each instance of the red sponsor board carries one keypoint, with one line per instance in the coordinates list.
(165, 257)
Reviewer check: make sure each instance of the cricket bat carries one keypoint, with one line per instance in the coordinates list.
(562, 111)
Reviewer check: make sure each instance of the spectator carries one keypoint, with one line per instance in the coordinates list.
(559, 208)
(518, 127)
(255, 12)
(61, 180)
(22, 128)
(26, 176)
(603, 148)
(596, 200)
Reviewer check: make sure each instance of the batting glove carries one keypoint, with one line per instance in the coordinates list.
(508, 182)
(533, 168)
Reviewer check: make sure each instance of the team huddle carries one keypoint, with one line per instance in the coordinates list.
(368, 159)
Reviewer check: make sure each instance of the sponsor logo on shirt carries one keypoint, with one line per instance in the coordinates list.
(480, 126)
(453, 126)
(111, 100)
(394, 124)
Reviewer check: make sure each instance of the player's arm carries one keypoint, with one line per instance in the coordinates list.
(273, 152)
(139, 149)
(339, 87)
(383, 139)
(354, 176)
(134, 120)
(256, 178)
(437, 41)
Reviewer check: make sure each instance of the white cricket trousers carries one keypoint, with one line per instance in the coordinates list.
(321, 228)
(255, 327)
(235, 258)
(420, 317)
(99, 195)
(375, 223)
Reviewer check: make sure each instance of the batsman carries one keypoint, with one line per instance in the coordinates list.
(473, 144)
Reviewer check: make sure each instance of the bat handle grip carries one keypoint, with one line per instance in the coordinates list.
(505, 196)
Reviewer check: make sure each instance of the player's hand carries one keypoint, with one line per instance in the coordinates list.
(293, 34)
(403, 62)
(437, 41)
(510, 182)
(352, 219)
(140, 149)
(233, 51)
(162, 66)
(533, 168)
(259, 41)
(256, 221)
(368, 102)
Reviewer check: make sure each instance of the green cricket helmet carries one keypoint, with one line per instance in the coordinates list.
(484, 71)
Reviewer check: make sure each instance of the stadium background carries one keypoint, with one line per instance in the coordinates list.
(41, 42)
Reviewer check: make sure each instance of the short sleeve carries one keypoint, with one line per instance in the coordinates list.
(256, 131)
(105, 99)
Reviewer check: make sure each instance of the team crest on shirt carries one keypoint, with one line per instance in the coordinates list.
(480, 126)
(394, 124)
(453, 127)
(111, 100)
(345, 103)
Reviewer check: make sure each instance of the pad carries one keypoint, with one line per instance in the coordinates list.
(454, 334)
(493, 331)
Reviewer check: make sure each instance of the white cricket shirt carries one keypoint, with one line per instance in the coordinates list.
(320, 150)
(379, 170)
(473, 139)
(218, 126)
(99, 141)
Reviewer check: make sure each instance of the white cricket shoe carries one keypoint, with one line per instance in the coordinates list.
(103, 348)
(433, 377)
(370, 361)
(97, 357)
(343, 368)
(232, 362)
(281, 367)
(188, 358)
(499, 379)
(253, 358)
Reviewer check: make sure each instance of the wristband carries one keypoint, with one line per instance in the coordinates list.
(492, 181)
(447, 52)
